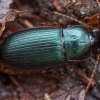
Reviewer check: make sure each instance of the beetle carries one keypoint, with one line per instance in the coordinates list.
(43, 47)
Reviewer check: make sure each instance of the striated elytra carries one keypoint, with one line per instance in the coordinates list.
(41, 47)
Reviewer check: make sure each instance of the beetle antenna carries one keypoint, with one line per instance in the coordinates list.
(80, 22)
(93, 73)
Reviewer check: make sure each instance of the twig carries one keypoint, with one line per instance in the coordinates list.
(98, 2)
(14, 81)
(57, 5)
(71, 18)
(93, 72)
(70, 2)
(26, 23)
(87, 80)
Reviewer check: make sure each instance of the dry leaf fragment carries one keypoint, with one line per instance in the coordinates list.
(94, 20)
(6, 14)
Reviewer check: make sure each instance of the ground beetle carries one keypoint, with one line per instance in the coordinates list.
(41, 47)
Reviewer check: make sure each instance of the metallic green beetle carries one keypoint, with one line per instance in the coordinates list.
(36, 48)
